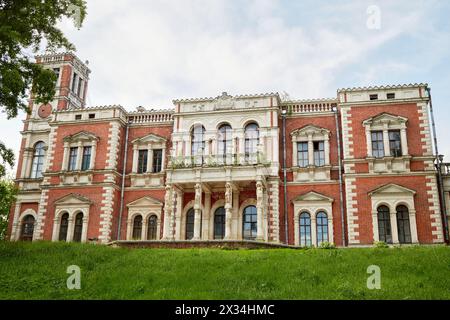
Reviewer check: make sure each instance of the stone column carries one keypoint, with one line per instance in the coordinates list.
(70, 228)
(93, 154)
(294, 152)
(149, 159)
(327, 150)
(313, 229)
(206, 217)
(198, 211)
(369, 141)
(144, 228)
(235, 227)
(387, 149)
(178, 215)
(310, 150)
(394, 230)
(404, 141)
(168, 203)
(376, 233)
(259, 210)
(228, 209)
(413, 226)
(79, 155)
(15, 227)
(135, 158)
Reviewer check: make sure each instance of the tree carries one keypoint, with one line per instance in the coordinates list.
(8, 192)
(25, 26)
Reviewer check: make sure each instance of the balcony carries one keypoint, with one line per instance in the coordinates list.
(235, 167)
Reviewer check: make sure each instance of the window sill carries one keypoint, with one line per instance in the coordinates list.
(312, 173)
(77, 177)
(147, 179)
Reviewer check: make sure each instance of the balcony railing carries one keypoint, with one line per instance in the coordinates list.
(211, 161)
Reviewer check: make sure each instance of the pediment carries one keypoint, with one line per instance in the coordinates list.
(311, 130)
(385, 118)
(145, 202)
(81, 136)
(313, 197)
(73, 199)
(150, 138)
(391, 189)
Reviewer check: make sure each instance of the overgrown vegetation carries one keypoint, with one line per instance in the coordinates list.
(26, 26)
(38, 271)
(8, 192)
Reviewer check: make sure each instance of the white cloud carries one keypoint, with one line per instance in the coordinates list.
(150, 52)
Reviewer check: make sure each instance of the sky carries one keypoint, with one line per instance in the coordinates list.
(149, 52)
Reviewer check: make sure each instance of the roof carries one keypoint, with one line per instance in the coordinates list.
(385, 87)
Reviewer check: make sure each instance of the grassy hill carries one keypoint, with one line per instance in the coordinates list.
(38, 271)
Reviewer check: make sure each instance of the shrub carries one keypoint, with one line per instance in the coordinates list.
(327, 245)
(380, 244)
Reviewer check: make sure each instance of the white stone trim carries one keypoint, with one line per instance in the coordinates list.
(434, 208)
(425, 131)
(352, 212)
(106, 215)
(18, 226)
(347, 133)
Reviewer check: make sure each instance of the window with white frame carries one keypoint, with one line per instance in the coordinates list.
(149, 154)
(38, 160)
(386, 136)
(311, 146)
(79, 151)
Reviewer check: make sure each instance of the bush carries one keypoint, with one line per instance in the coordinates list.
(380, 244)
(327, 245)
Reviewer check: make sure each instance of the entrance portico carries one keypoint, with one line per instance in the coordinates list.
(231, 209)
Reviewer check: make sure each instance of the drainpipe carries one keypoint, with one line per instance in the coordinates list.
(439, 169)
(286, 229)
(122, 191)
(341, 191)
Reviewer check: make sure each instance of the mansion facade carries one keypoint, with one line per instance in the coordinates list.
(351, 170)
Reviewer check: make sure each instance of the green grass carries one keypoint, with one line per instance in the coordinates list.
(38, 271)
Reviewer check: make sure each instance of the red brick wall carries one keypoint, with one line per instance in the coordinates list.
(364, 213)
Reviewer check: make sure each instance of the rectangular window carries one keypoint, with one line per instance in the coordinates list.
(157, 160)
(319, 153)
(395, 143)
(86, 163)
(377, 144)
(390, 96)
(78, 117)
(91, 115)
(80, 87)
(373, 97)
(74, 82)
(302, 154)
(73, 158)
(142, 161)
(56, 71)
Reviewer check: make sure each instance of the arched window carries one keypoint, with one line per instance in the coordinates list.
(250, 225)
(26, 233)
(305, 229)
(38, 160)
(384, 224)
(137, 228)
(63, 227)
(225, 141)
(152, 228)
(251, 141)
(322, 227)
(198, 140)
(219, 223)
(78, 229)
(190, 219)
(403, 225)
